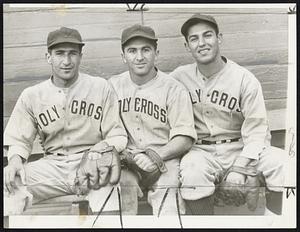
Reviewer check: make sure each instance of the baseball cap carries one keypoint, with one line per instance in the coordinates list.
(195, 19)
(137, 30)
(64, 35)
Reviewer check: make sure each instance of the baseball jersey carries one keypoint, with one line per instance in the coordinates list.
(155, 112)
(227, 105)
(68, 120)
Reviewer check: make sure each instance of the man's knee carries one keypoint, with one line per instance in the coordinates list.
(193, 169)
(272, 167)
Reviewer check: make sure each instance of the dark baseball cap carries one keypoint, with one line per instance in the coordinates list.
(64, 35)
(137, 30)
(198, 18)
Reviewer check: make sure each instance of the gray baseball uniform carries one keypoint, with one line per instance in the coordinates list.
(228, 105)
(153, 114)
(68, 121)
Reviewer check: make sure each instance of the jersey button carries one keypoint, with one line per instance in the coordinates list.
(208, 95)
(138, 129)
(63, 108)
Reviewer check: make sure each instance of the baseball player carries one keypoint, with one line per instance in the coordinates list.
(231, 124)
(72, 113)
(157, 114)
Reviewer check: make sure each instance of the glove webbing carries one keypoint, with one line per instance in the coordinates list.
(248, 171)
(156, 159)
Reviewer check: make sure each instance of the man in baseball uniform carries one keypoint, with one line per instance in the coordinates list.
(157, 114)
(230, 120)
(72, 113)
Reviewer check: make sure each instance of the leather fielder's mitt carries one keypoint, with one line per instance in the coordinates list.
(146, 178)
(96, 169)
(234, 194)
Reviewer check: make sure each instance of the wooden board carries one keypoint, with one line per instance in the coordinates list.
(254, 38)
(272, 78)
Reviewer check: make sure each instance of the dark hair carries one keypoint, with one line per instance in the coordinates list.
(214, 26)
(152, 42)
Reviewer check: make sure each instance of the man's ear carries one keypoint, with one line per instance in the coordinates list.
(220, 38)
(156, 54)
(48, 57)
(187, 46)
(123, 57)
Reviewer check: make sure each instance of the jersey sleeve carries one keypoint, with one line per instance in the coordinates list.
(255, 130)
(21, 129)
(112, 127)
(180, 114)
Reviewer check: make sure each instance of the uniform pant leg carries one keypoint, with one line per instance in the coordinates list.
(48, 177)
(130, 192)
(198, 170)
(271, 164)
(156, 194)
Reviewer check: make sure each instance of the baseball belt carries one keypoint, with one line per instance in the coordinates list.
(206, 142)
(62, 154)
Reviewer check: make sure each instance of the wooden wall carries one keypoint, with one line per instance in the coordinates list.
(254, 38)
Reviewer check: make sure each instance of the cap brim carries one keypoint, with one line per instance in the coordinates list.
(138, 35)
(64, 40)
(192, 21)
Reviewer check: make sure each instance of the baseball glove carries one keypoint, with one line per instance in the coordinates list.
(146, 178)
(96, 169)
(234, 194)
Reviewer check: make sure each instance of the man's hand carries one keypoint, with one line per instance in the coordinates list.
(14, 168)
(236, 178)
(144, 162)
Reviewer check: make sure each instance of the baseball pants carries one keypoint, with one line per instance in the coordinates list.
(199, 167)
(130, 191)
(53, 176)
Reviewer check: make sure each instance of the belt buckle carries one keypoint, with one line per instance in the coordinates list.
(219, 142)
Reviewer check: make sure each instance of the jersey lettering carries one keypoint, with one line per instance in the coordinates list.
(193, 101)
(163, 117)
(136, 103)
(219, 98)
(91, 109)
(156, 112)
(84, 108)
(150, 108)
(142, 105)
(198, 92)
(74, 107)
(48, 116)
(43, 119)
(214, 96)
(127, 101)
(232, 103)
(99, 112)
(223, 99)
(55, 111)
